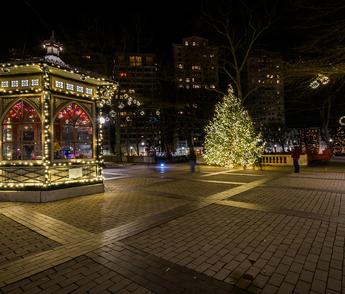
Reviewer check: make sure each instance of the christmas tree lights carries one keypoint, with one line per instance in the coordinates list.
(230, 137)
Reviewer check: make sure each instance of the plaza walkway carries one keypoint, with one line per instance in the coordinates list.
(165, 230)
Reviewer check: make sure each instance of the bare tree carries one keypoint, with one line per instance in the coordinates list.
(239, 27)
(320, 64)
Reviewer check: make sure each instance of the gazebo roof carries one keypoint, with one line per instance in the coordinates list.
(32, 65)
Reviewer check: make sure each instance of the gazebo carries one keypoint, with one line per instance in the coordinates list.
(51, 128)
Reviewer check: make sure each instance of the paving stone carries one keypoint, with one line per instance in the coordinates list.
(17, 241)
(270, 289)
(291, 278)
(306, 276)
(276, 279)
(102, 212)
(334, 284)
(286, 288)
(182, 233)
(80, 278)
(302, 287)
(318, 286)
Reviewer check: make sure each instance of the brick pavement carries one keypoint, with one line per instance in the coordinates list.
(311, 183)
(79, 275)
(189, 189)
(258, 251)
(311, 201)
(18, 241)
(175, 232)
(102, 212)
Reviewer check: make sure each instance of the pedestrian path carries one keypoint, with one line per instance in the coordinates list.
(216, 231)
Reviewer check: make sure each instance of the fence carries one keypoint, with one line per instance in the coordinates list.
(282, 159)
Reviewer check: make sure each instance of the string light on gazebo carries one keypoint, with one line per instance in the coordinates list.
(60, 103)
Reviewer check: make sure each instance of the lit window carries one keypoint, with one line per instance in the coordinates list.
(187, 80)
(278, 81)
(59, 84)
(135, 60)
(211, 55)
(194, 43)
(21, 133)
(80, 89)
(196, 86)
(212, 86)
(34, 82)
(149, 60)
(196, 67)
(180, 65)
(88, 91)
(4, 84)
(186, 43)
(14, 83)
(25, 83)
(69, 87)
(73, 133)
(180, 79)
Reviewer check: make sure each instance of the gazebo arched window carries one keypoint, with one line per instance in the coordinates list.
(21, 133)
(73, 133)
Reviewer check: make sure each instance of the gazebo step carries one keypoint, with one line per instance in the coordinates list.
(50, 195)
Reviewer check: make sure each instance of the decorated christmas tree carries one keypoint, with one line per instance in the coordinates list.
(230, 137)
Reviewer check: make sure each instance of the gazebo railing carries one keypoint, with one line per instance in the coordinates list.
(60, 174)
(22, 175)
(27, 176)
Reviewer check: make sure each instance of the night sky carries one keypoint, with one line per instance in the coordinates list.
(160, 24)
(151, 26)
(25, 23)
(29, 22)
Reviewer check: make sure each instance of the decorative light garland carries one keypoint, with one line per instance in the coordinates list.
(105, 91)
(321, 79)
(230, 139)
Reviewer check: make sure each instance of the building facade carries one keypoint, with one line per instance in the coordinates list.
(196, 64)
(266, 103)
(196, 78)
(137, 120)
(137, 72)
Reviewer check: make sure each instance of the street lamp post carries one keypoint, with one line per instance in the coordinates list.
(116, 119)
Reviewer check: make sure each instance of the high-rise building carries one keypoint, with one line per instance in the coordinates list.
(196, 64)
(137, 123)
(266, 103)
(196, 76)
(138, 72)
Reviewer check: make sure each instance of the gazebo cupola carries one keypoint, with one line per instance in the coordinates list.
(50, 131)
(53, 49)
(52, 46)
